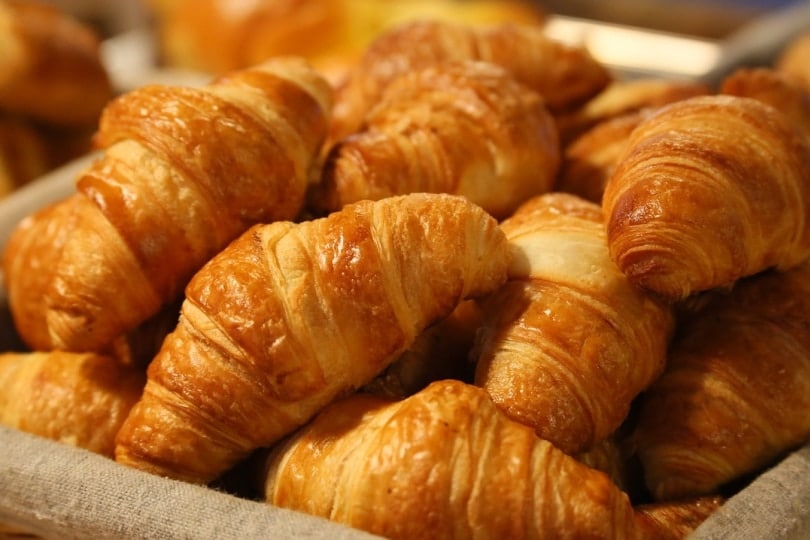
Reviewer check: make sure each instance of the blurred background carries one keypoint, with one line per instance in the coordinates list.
(704, 18)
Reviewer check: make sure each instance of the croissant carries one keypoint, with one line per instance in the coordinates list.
(567, 343)
(184, 171)
(709, 189)
(467, 128)
(444, 463)
(308, 312)
(675, 520)
(564, 75)
(774, 88)
(51, 68)
(622, 97)
(590, 159)
(79, 399)
(736, 391)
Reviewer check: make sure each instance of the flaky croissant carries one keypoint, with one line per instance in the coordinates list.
(774, 88)
(564, 75)
(50, 66)
(567, 342)
(288, 317)
(467, 128)
(184, 171)
(708, 190)
(443, 463)
(79, 399)
(736, 390)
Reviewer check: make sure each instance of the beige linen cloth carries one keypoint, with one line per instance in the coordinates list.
(58, 491)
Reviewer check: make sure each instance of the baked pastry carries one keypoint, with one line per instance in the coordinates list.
(50, 65)
(443, 463)
(564, 75)
(709, 189)
(309, 312)
(79, 399)
(567, 343)
(736, 391)
(183, 172)
(675, 520)
(466, 128)
(774, 88)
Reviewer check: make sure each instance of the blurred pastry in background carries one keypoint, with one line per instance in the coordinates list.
(53, 86)
(218, 35)
(793, 59)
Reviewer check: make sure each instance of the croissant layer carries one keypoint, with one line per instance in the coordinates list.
(709, 189)
(183, 172)
(79, 399)
(443, 463)
(568, 342)
(736, 390)
(306, 313)
(467, 128)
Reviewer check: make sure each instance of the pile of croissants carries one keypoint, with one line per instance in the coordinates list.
(481, 287)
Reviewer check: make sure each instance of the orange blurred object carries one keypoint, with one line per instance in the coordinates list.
(219, 35)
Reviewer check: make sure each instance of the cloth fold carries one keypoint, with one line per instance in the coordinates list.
(58, 491)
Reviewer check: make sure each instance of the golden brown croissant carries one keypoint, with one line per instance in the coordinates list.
(79, 399)
(675, 520)
(184, 171)
(589, 160)
(774, 88)
(625, 96)
(709, 189)
(736, 390)
(467, 128)
(564, 75)
(444, 463)
(567, 342)
(307, 313)
(50, 65)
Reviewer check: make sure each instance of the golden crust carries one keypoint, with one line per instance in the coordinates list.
(183, 172)
(76, 399)
(567, 342)
(466, 128)
(309, 312)
(708, 190)
(563, 75)
(446, 463)
(736, 390)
